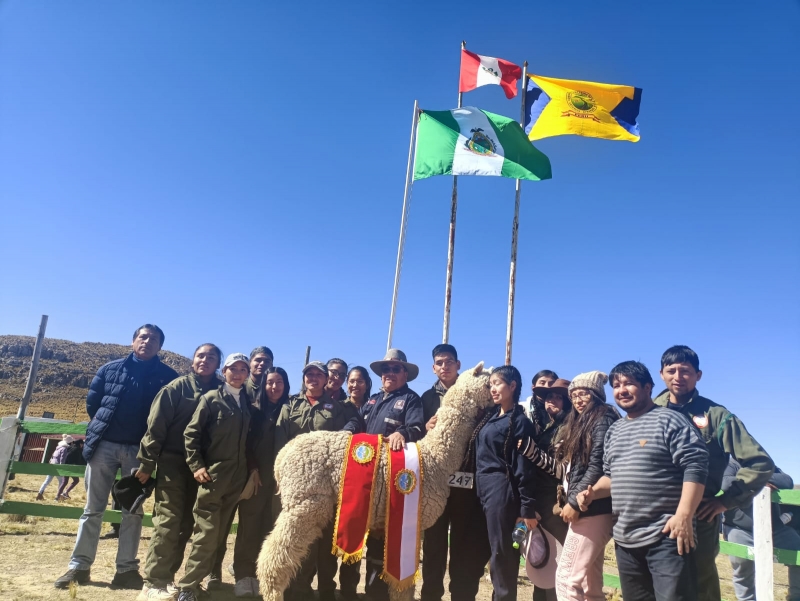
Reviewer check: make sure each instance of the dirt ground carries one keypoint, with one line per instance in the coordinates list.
(34, 552)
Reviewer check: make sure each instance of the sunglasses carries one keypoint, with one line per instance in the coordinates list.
(392, 369)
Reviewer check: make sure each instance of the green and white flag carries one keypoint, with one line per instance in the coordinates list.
(469, 141)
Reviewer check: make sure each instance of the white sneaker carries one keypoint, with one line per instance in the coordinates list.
(143, 596)
(162, 594)
(243, 588)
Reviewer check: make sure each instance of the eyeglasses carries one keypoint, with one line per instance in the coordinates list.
(584, 395)
(389, 369)
(336, 374)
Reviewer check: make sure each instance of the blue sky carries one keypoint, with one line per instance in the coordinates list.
(234, 172)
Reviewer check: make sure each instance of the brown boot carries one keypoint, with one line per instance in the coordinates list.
(40, 497)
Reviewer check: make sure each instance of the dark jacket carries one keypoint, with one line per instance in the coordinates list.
(74, 455)
(580, 476)
(725, 436)
(261, 440)
(432, 400)
(398, 411)
(170, 413)
(492, 464)
(742, 517)
(541, 450)
(108, 388)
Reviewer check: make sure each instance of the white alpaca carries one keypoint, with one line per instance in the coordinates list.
(308, 472)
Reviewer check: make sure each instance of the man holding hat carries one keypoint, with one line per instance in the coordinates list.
(396, 413)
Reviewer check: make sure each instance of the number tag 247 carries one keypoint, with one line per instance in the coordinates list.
(461, 480)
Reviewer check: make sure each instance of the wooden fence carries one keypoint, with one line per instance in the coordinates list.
(12, 432)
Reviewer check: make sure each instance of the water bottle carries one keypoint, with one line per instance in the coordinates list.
(786, 517)
(520, 530)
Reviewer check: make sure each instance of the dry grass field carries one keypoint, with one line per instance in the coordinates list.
(35, 551)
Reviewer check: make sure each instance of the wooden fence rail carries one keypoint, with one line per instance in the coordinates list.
(763, 553)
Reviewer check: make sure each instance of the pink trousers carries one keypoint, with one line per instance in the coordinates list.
(580, 568)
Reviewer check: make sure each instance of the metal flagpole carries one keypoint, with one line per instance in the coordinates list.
(512, 277)
(403, 222)
(451, 247)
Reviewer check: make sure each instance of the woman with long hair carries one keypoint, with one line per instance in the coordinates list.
(504, 477)
(580, 572)
(256, 514)
(549, 474)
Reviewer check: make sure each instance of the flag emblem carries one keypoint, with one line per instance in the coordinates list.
(406, 481)
(363, 453)
(582, 101)
(701, 421)
(480, 143)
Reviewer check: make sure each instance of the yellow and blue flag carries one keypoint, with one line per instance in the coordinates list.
(555, 107)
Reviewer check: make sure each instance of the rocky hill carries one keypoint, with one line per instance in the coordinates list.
(65, 370)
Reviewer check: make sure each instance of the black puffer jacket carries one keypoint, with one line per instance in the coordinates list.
(581, 476)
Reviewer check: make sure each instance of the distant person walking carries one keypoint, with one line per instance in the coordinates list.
(74, 456)
(118, 403)
(57, 458)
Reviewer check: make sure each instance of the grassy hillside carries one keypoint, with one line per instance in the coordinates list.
(65, 371)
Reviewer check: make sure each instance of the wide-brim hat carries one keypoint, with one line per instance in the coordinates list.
(541, 557)
(130, 493)
(561, 385)
(395, 356)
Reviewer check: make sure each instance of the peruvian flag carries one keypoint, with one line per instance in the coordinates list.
(477, 71)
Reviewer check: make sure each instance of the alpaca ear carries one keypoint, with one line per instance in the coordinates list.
(478, 369)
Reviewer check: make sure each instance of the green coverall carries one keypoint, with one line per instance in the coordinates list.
(216, 440)
(162, 448)
(725, 436)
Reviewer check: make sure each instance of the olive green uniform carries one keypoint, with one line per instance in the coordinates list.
(176, 489)
(725, 436)
(256, 514)
(298, 417)
(251, 386)
(215, 439)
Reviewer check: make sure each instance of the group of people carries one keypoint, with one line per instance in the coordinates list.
(568, 464)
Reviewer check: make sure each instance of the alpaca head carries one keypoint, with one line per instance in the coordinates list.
(470, 390)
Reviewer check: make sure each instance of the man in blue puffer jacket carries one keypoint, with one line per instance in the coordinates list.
(118, 404)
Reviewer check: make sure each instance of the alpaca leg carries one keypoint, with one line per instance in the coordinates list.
(283, 551)
(406, 595)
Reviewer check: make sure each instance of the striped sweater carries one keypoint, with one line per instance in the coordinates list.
(648, 459)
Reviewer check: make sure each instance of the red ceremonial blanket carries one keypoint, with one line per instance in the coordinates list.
(355, 496)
